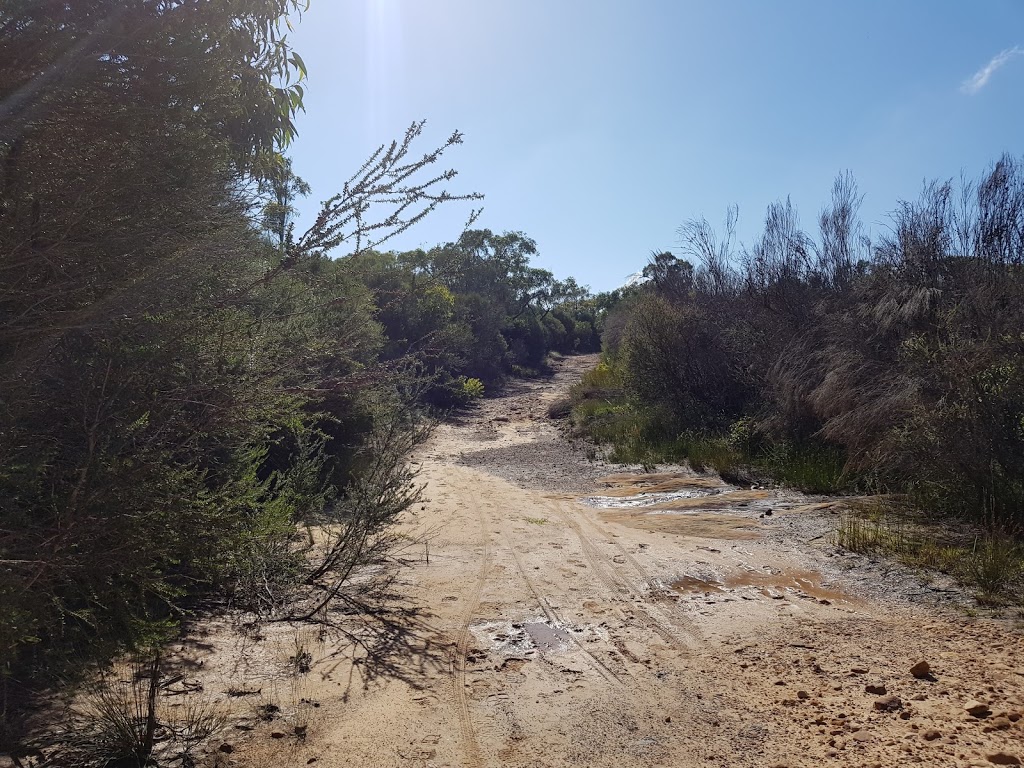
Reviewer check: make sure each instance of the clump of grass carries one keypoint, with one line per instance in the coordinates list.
(560, 408)
(995, 565)
(704, 451)
(536, 520)
(810, 468)
(120, 720)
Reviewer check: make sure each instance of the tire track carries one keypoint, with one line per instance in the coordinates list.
(653, 584)
(470, 745)
(552, 615)
(605, 571)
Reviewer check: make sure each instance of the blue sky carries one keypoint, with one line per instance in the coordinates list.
(597, 127)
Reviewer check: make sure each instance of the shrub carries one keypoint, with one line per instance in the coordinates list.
(472, 388)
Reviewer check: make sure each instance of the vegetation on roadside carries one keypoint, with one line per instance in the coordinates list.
(834, 364)
(199, 403)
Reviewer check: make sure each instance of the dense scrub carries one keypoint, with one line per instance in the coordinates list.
(834, 362)
(188, 386)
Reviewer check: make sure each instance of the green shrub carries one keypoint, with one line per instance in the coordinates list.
(472, 388)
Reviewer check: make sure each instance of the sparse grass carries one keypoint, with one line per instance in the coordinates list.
(992, 565)
(536, 520)
(995, 565)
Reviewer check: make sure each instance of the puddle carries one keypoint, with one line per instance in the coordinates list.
(547, 637)
(798, 583)
(629, 490)
(524, 638)
(645, 499)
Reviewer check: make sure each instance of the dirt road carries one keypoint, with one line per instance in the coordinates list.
(575, 614)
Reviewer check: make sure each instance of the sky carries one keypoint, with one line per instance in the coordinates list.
(598, 127)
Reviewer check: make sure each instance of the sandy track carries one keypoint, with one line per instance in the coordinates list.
(553, 633)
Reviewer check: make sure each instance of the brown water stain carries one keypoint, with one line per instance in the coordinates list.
(768, 584)
(707, 526)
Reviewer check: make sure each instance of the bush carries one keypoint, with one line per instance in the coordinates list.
(472, 389)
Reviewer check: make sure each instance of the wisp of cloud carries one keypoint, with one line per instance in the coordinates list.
(979, 79)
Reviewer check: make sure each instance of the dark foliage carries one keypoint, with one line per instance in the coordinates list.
(902, 357)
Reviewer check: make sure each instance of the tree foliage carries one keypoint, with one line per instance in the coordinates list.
(199, 402)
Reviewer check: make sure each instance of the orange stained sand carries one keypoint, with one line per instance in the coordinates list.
(706, 525)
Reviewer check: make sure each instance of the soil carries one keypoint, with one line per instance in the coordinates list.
(556, 611)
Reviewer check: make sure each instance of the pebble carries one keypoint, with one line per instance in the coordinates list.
(931, 735)
(888, 703)
(977, 709)
(877, 689)
(921, 670)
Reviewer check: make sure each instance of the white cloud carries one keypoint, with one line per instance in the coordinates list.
(979, 79)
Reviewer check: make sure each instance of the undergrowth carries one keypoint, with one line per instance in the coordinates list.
(647, 435)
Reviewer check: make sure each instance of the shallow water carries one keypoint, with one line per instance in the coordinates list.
(800, 583)
(547, 637)
(642, 500)
(524, 637)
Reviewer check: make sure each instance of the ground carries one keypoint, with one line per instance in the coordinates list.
(557, 611)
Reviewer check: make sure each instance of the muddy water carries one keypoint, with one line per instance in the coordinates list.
(525, 637)
(801, 583)
(683, 505)
(547, 637)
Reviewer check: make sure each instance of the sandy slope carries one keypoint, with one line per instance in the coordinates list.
(546, 631)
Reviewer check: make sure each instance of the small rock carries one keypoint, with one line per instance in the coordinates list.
(277, 735)
(668, 719)
(878, 690)
(921, 670)
(1003, 758)
(930, 735)
(1013, 716)
(858, 671)
(888, 703)
(803, 695)
(863, 737)
(226, 748)
(1000, 723)
(977, 709)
